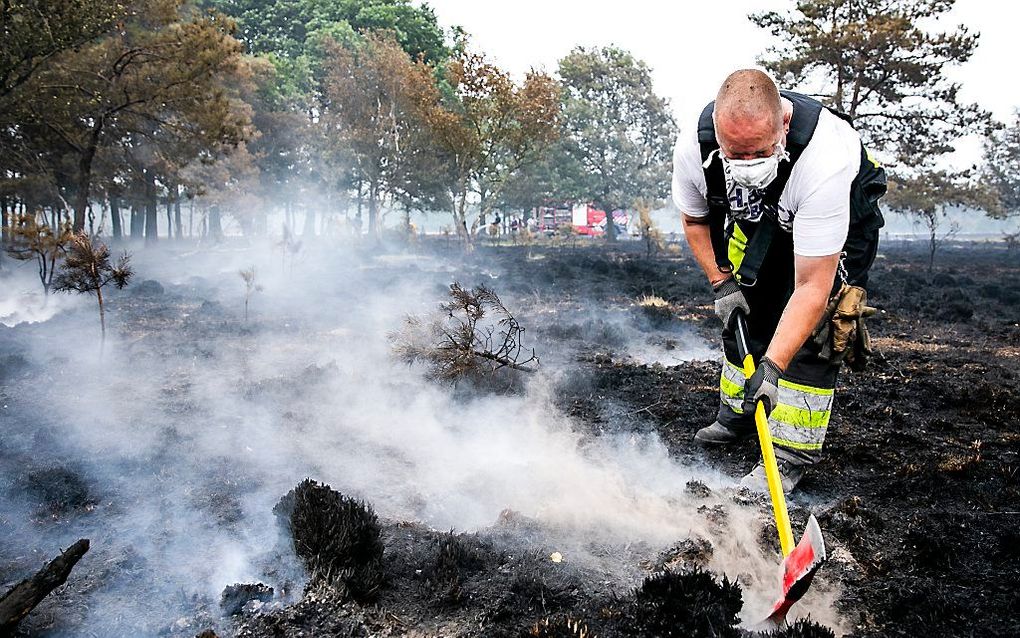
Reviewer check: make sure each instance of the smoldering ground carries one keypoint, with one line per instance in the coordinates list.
(170, 450)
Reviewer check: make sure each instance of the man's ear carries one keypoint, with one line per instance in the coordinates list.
(787, 117)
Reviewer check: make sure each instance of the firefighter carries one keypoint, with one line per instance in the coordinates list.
(779, 204)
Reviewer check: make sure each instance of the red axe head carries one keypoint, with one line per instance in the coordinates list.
(798, 569)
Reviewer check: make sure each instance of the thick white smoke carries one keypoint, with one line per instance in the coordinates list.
(193, 423)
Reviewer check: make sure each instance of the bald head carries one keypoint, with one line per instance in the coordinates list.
(749, 117)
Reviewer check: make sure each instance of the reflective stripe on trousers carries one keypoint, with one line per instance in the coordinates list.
(731, 387)
(801, 417)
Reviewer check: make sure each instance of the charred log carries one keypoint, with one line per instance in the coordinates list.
(26, 595)
(236, 596)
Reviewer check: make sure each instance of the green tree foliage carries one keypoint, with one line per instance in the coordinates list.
(554, 177)
(293, 33)
(288, 27)
(487, 128)
(616, 128)
(372, 91)
(156, 83)
(873, 60)
(36, 30)
(1002, 167)
(930, 194)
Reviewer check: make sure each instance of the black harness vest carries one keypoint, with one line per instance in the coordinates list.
(867, 188)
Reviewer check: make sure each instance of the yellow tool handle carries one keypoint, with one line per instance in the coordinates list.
(768, 456)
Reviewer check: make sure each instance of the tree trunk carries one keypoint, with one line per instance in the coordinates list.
(137, 223)
(151, 209)
(5, 222)
(115, 216)
(610, 228)
(177, 226)
(169, 219)
(309, 229)
(102, 318)
(215, 226)
(373, 210)
(81, 202)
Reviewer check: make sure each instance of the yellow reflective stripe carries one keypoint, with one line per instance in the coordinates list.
(795, 445)
(825, 392)
(731, 381)
(871, 158)
(800, 418)
(737, 246)
(730, 389)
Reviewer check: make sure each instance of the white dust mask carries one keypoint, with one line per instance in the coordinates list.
(754, 174)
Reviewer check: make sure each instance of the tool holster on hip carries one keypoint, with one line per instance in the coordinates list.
(842, 334)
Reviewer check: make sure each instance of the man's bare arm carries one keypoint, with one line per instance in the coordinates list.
(814, 277)
(700, 240)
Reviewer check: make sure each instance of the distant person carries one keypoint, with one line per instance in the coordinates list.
(779, 205)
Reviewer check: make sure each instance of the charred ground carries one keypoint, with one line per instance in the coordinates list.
(916, 494)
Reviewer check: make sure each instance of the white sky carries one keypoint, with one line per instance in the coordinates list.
(692, 46)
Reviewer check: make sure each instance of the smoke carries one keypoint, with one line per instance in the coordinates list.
(22, 299)
(193, 424)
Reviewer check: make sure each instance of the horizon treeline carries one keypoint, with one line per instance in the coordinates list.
(144, 118)
(141, 118)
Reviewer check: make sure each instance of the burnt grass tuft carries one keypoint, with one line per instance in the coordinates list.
(457, 557)
(803, 628)
(688, 604)
(336, 537)
(559, 626)
(58, 490)
(534, 592)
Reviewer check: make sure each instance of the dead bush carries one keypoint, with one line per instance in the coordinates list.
(473, 337)
(236, 596)
(31, 239)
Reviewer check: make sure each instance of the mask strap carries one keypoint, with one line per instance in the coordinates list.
(708, 160)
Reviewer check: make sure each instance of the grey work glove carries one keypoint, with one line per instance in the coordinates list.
(728, 299)
(762, 386)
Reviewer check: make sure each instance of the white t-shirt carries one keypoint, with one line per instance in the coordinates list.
(814, 204)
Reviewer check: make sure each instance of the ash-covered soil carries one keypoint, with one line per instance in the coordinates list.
(172, 450)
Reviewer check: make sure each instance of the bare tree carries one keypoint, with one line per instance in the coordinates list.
(87, 269)
(459, 344)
